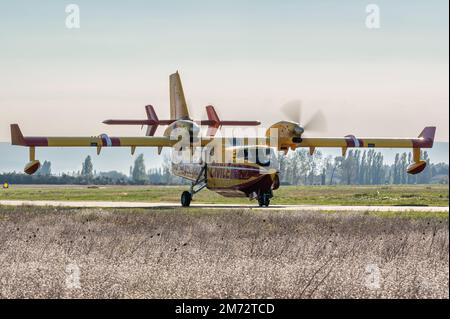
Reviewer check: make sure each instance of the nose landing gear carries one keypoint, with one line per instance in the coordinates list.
(198, 185)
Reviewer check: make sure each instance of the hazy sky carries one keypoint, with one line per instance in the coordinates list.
(245, 57)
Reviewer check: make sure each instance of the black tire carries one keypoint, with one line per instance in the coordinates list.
(264, 200)
(186, 198)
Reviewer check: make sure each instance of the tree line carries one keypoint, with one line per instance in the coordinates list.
(298, 167)
(357, 167)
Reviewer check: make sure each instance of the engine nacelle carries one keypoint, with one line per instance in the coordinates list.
(289, 134)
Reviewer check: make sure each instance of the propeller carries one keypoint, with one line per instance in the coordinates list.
(293, 111)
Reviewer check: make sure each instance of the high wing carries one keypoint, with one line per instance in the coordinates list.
(290, 141)
(103, 140)
(289, 137)
(287, 140)
(425, 140)
(99, 142)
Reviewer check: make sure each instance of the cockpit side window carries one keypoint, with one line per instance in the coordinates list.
(242, 155)
(260, 155)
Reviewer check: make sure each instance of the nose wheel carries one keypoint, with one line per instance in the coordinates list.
(197, 185)
(186, 198)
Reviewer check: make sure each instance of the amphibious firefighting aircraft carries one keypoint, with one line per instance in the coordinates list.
(230, 166)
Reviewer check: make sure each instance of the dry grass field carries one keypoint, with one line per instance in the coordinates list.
(195, 253)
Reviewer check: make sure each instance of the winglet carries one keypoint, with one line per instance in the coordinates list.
(427, 135)
(17, 136)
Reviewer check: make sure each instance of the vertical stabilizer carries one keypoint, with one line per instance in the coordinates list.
(178, 106)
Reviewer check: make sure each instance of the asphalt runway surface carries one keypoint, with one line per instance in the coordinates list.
(103, 204)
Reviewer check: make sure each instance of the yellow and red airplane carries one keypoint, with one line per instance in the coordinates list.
(231, 166)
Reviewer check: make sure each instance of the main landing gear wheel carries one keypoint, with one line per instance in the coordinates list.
(264, 200)
(186, 198)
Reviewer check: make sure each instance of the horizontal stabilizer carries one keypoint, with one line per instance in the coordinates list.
(214, 123)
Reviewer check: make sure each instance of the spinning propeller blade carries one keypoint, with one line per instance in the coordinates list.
(293, 111)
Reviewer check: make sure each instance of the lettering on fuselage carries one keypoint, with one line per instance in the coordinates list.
(233, 171)
(186, 170)
(217, 171)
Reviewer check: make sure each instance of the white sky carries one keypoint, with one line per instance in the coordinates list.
(246, 59)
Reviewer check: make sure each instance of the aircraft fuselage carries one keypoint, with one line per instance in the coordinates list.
(231, 179)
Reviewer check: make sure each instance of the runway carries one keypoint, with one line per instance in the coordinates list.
(99, 204)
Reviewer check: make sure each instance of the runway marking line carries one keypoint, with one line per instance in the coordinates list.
(102, 204)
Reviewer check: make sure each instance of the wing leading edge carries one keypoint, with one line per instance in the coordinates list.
(424, 140)
(102, 140)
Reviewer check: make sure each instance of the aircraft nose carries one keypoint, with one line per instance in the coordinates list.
(275, 181)
(268, 171)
